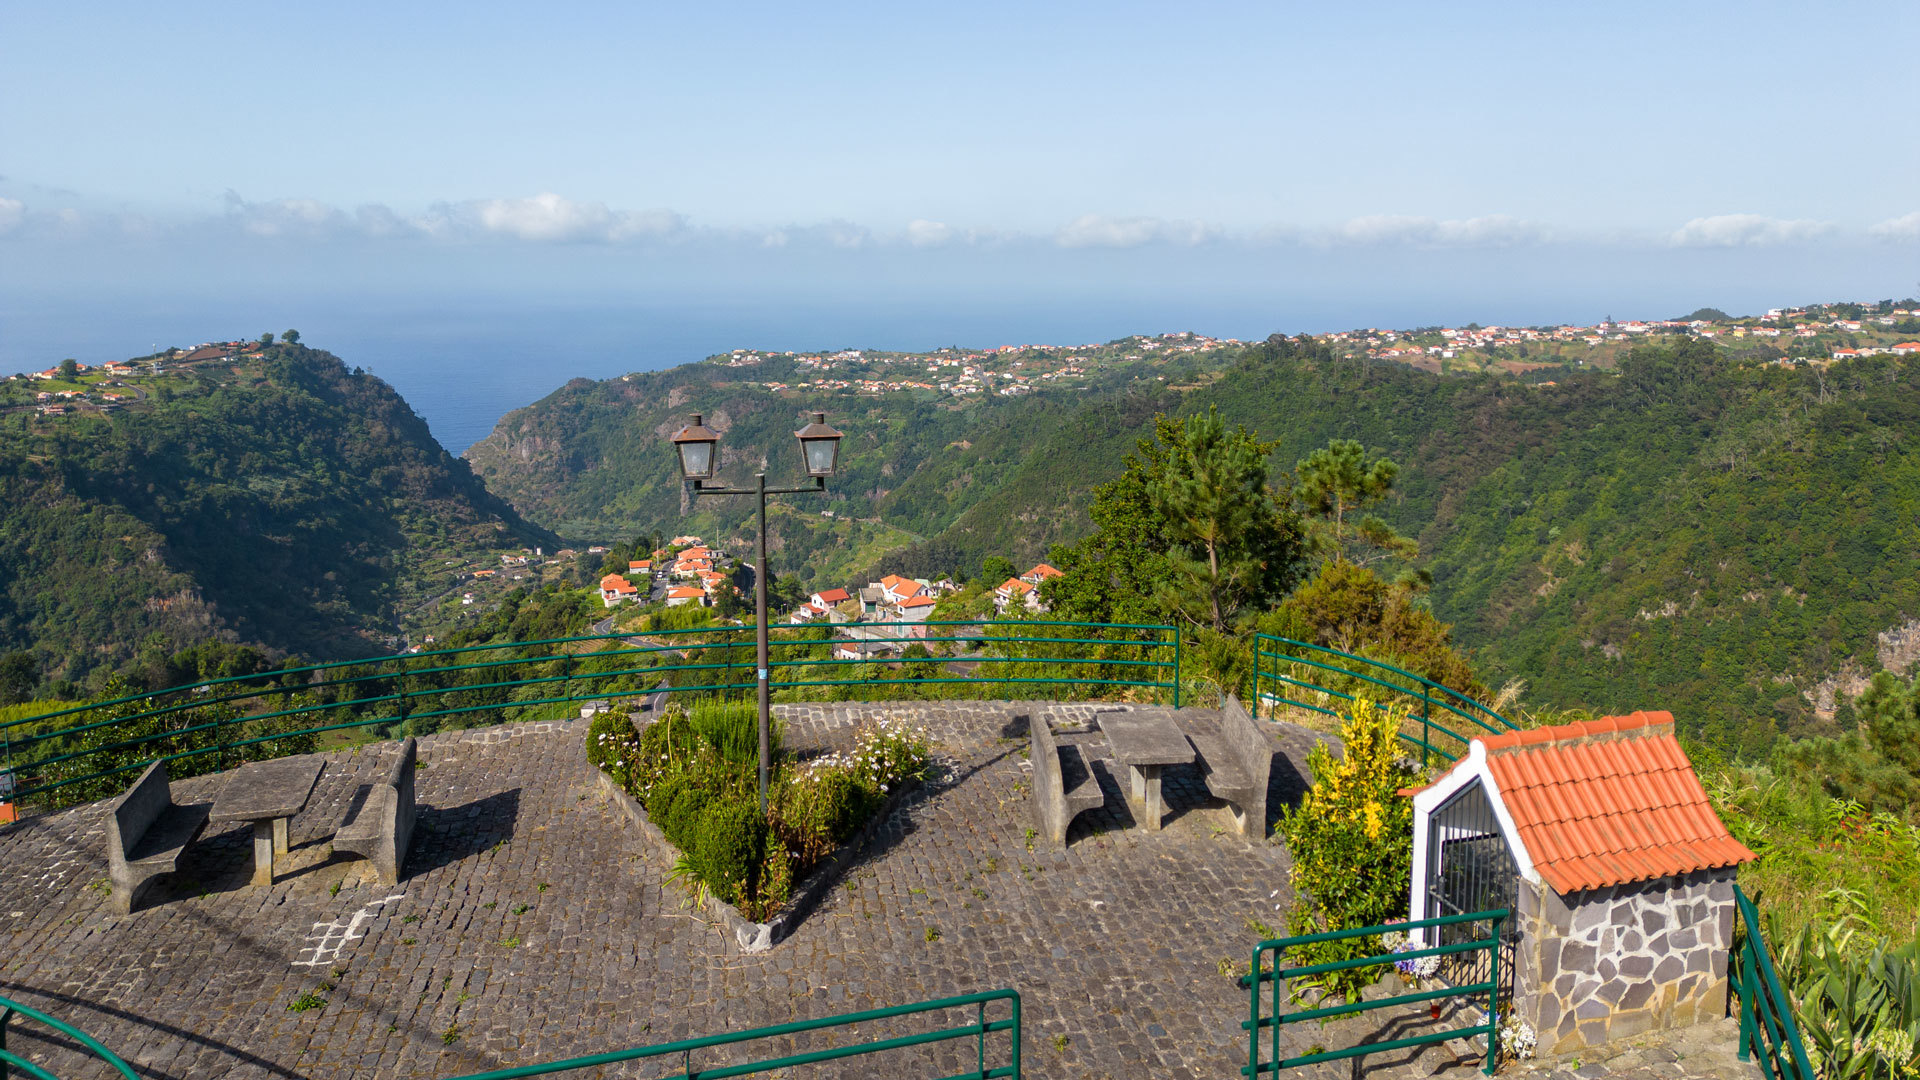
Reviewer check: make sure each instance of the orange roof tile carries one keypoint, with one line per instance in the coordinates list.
(1608, 801)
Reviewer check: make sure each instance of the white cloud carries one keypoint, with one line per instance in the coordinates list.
(12, 213)
(1903, 228)
(1492, 230)
(283, 217)
(1746, 230)
(553, 218)
(929, 233)
(1098, 230)
(544, 218)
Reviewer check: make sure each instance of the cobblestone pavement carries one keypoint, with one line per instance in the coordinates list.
(529, 926)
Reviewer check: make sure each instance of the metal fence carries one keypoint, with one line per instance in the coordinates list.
(1273, 975)
(11, 1062)
(685, 1050)
(88, 751)
(1303, 675)
(1766, 1012)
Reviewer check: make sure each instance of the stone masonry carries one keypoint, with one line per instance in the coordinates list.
(1596, 967)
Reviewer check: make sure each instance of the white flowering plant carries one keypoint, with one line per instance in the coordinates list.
(1518, 1040)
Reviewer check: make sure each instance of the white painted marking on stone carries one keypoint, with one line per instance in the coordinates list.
(331, 938)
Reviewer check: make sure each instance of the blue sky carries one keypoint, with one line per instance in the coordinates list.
(1256, 166)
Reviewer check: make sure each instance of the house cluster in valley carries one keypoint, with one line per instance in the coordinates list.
(878, 619)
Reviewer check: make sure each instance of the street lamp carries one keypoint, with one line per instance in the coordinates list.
(819, 452)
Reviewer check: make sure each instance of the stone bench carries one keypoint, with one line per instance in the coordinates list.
(1063, 782)
(1237, 763)
(146, 832)
(379, 825)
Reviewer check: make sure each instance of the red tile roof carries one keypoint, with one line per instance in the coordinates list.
(1608, 801)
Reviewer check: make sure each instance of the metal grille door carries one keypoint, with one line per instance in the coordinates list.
(1470, 868)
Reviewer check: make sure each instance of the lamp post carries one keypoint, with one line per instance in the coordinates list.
(819, 452)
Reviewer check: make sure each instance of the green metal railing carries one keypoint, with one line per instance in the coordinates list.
(11, 1062)
(1766, 1012)
(86, 752)
(1308, 676)
(685, 1049)
(1276, 976)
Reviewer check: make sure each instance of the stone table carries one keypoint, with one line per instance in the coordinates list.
(267, 793)
(1146, 740)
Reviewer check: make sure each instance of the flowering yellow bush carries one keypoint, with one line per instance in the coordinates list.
(1351, 837)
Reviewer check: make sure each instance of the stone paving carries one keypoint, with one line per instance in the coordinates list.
(529, 926)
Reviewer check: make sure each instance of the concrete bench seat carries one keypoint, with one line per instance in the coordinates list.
(379, 824)
(1237, 764)
(146, 832)
(1063, 782)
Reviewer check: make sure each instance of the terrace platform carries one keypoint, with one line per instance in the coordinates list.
(528, 926)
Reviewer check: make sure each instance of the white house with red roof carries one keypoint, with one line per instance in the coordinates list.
(615, 589)
(1016, 590)
(894, 588)
(686, 594)
(1040, 573)
(829, 599)
(916, 608)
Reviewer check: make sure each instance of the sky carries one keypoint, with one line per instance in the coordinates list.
(712, 176)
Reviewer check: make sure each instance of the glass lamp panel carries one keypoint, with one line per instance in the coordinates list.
(820, 454)
(696, 459)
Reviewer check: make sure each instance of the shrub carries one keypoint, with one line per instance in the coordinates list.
(729, 848)
(1351, 839)
(683, 817)
(1856, 997)
(732, 729)
(776, 879)
(818, 808)
(611, 742)
(695, 774)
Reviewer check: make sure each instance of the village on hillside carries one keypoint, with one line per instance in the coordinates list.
(71, 386)
(1817, 335)
(1008, 370)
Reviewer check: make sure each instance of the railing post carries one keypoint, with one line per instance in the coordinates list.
(980, 1046)
(1256, 676)
(1426, 733)
(1743, 974)
(1493, 998)
(5, 1015)
(1253, 1015)
(1176, 667)
(1016, 1036)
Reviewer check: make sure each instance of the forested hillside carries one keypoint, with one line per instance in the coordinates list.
(1698, 531)
(592, 460)
(284, 502)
